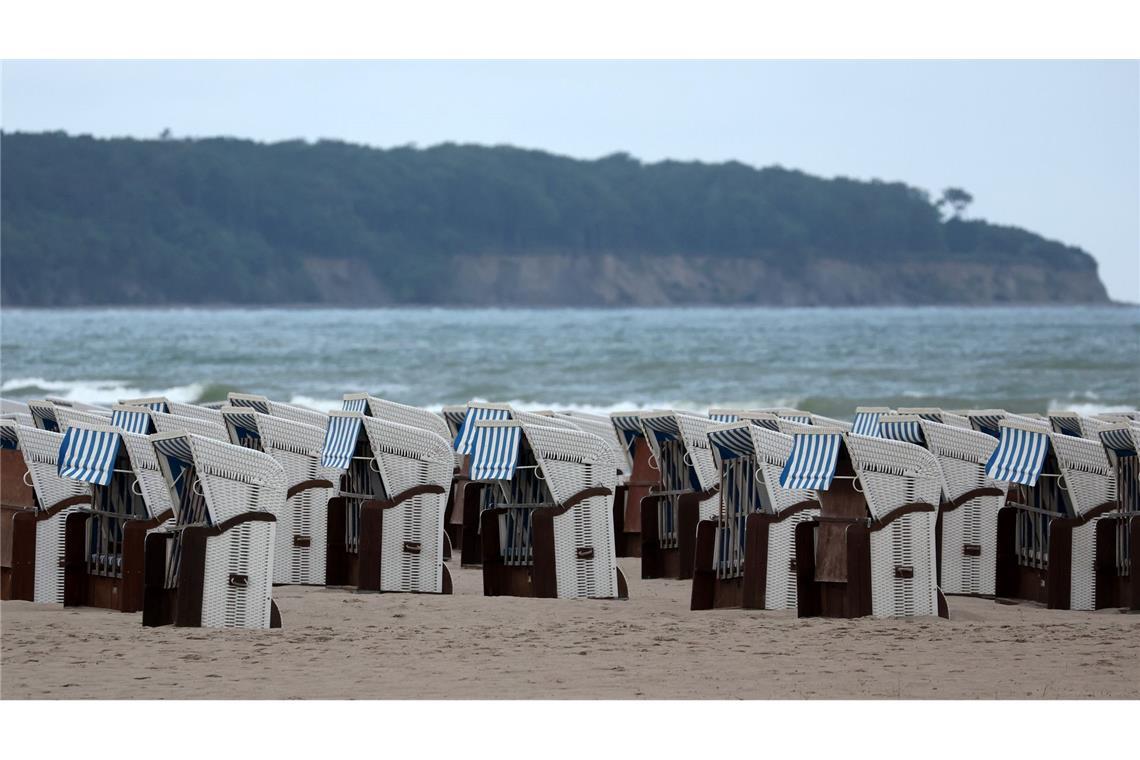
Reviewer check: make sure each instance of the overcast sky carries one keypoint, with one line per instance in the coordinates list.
(1051, 146)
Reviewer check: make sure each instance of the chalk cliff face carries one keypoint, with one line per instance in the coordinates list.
(222, 221)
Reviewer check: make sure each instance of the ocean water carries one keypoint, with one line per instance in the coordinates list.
(826, 360)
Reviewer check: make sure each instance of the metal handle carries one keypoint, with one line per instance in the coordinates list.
(652, 462)
(855, 483)
(687, 459)
(136, 489)
(1061, 484)
(758, 476)
(28, 474)
(539, 474)
(374, 465)
(196, 487)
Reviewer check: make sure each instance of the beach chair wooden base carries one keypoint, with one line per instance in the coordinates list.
(22, 576)
(659, 561)
(82, 588)
(471, 545)
(749, 589)
(627, 538)
(182, 606)
(371, 557)
(453, 516)
(341, 565)
(16, 497)
(1051, 584)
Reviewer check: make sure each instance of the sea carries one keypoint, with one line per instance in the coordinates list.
(826, 361)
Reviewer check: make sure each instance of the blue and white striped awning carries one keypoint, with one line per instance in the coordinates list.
(495, 451)
(88, 455)
(8, 437)
(242, 426)
(723, 418)
(176, 447)
(866, 423)
(1066, 424)
(733, 442)
(132, 421)
(811, 465)
(153, 404)
(902, 430)
(767, 421)
(256, 403)
(803, 419)
(43, 415)
(454, 417)
(355, 402)
(475, 414)
(664, 427)
(340, 440)
(1019, 456)
(988, 423)
(1119, 440)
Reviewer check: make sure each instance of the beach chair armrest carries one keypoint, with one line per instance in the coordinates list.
(307, 485)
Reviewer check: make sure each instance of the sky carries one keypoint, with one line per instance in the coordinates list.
(1050, 146)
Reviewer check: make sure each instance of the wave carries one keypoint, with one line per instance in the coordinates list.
(99, 391)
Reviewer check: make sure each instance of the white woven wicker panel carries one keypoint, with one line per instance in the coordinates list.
(41, 455)
(300, 414)
(893, 473)
(1082, 580)
(244, 550)
(200, 426)
(780, 589)
(599, 426)
(590, 523)
(151, 483)
(67, 416)
(774, 448)
(907, 541)
(413, 416)
(235, 479)
(1089, 476)
(195, 412)
(48, 583)
(571, 460)
(820, 420)
(695, 435)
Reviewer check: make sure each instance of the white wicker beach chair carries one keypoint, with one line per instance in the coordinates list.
(37, 570)
(1062, 486)
(872, 549)
(643, 476)
(971, 501)
(548, 529)
(679, 445)
(104, 544)
(214, 567)
(292, 412)
(300, 554)
(386, 525)
(166, 406)
(744, 557)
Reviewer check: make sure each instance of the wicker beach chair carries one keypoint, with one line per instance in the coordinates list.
(36, 570)
(643, 477)
(292, 412)
(214, 567)
(1116, 540)
(1062, 488)
(966, 530)
(43, 412)
(687, 494)
(385, 526)
(166, 406)
(299, 554)
(872, 549)
(547, 529)
(745, 554)
(104, 544)
(16, 493)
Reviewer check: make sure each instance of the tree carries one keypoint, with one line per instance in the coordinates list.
(956, 198)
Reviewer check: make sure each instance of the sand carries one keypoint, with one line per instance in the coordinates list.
(340, 644)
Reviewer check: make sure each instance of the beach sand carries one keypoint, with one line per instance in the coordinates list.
(339, 644)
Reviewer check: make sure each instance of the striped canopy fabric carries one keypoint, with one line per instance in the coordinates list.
(154, 404)
(909, 431)
(176, 447)
(1019, 456)
(664, 427)
(732, 442)
(803, 419)
(1066, 424)
(88, 455)
(475, 414)
(256, 403)
(866, 422)
(988, 422)
(8, 437)
(355, 402)
(243, 428)
(494, 451)
(811, 465)
(132, 421)
(1120, 440)
(43, 414)
(340, 440)
(723, 418)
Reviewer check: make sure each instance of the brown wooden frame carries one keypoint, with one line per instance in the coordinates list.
(182, 606)
(627, 501)
(82, 589)
(673, 562)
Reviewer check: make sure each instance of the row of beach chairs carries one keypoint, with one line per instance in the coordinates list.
(190, 514)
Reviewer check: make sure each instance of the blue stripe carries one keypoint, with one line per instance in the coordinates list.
(88, 455)
(495, 452)
(906, 430)
(866, 423)
(1119, 440)
(1067, 425)
(356, 405)
(1019, 456)
(733, 442)
(340, 441)
(811, 465)
(723, 418)
(476, 414)
(132, 422)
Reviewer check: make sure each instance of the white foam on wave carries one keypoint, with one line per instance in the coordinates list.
(700, 407)
(97, 391)
(1088, 410)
